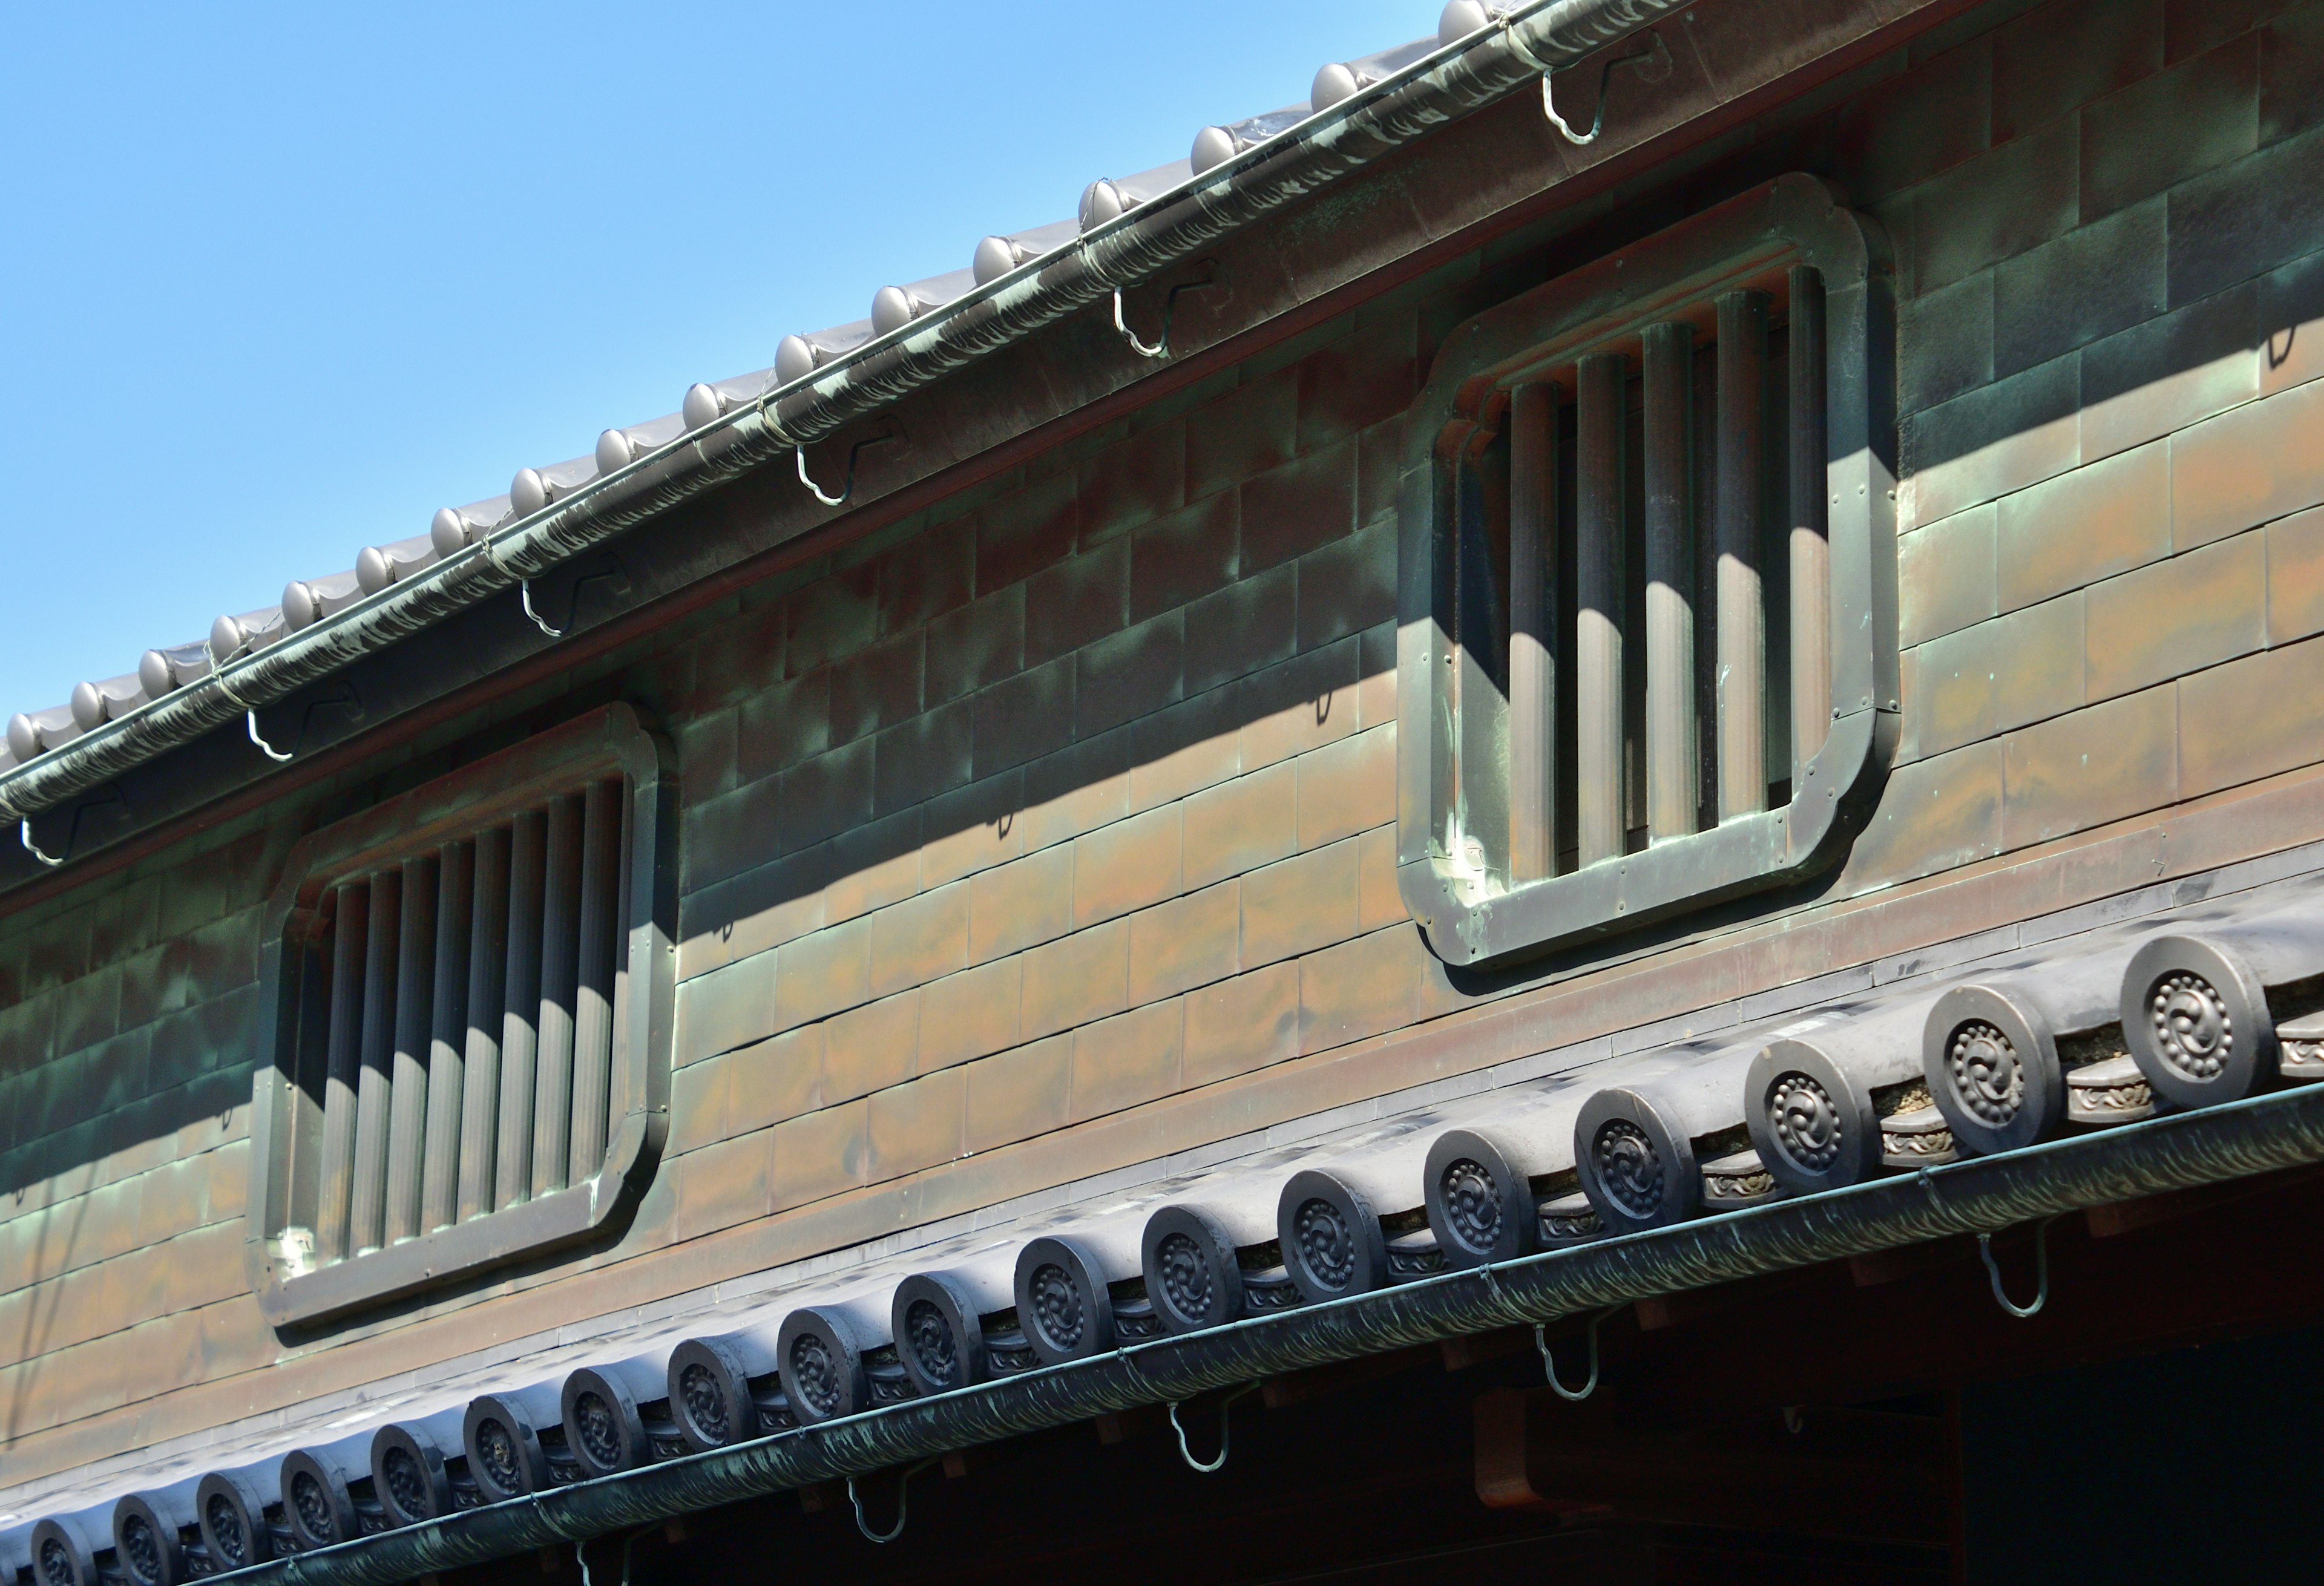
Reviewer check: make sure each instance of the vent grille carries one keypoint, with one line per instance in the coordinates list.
(1647, 636)
(1640, 612)
(466, 1053)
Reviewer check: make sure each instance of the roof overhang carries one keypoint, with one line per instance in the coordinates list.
(1401, 179)
(1980, 1197)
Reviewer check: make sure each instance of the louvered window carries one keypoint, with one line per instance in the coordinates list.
(1648, 654)
(470, 983)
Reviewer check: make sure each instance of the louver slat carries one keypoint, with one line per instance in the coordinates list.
(414, 1015)
(367, 1205)
(1597, 596)
(448, 1045)
(1533, 632)
(487, 968)
(1811, 541)
(341, 1070)
(552, 1095)
(1673, 782)
(1742, 675)
(592, 1015)
(519, 1025)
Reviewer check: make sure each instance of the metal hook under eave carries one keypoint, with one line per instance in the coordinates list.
(1548, 103)
(1605, 77)
(1549, 108)
(1160, 349)
(523, 586)
(524, 593)
(2041, 1270)
(903, 1491)
(24, 833)
(846, 490)
(273, 753)
(1186, 1454)
(1549, 1364)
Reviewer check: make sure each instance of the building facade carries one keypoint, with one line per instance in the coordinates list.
(1556, 622)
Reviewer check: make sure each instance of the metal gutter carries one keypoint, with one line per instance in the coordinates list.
(1980, 1195)
(1508, 53)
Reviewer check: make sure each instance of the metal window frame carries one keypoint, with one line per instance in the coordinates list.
(609, 741)
(1474, 921)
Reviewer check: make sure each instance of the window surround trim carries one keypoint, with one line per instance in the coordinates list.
(610, 739)
(1795, 218)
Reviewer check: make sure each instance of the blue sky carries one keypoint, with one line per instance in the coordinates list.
(279, 282)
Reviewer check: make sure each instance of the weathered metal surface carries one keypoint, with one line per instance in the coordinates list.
(1981, 1196)
(1579, 328)
(607, 1061)
(1330, 145)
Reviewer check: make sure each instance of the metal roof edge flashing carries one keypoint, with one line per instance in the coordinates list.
(1980, 1195)
(1474, 70)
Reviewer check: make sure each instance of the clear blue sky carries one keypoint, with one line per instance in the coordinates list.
(279, 282)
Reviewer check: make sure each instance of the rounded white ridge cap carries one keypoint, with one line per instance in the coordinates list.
(1332, 84)
(892, 309)
(995, 257)
(529, 491)
(299, 605)
(615, 449)
(450, 532)
(1460, 18)
(1101, 201)
(227, 635)
(1213, 145)
(87, 705)
(796, 358)
(702, 405)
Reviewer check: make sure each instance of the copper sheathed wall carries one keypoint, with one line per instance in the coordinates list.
(2096, 864)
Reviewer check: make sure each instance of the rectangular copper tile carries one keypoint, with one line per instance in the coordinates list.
(970, 1014)
(1241, 1024)
(2179, 616)
(1083, 977)
(871, 1047)
(1242, 824)
(1122, 1061)
(918, 1125)
(920, 938)
(1020, 904)
(1348, 787)
(1188, 941)
(821, 1154)
(1127, 865)
(2094, 766)
(1019, 1093)
(774, 1080)
(1299, 904)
